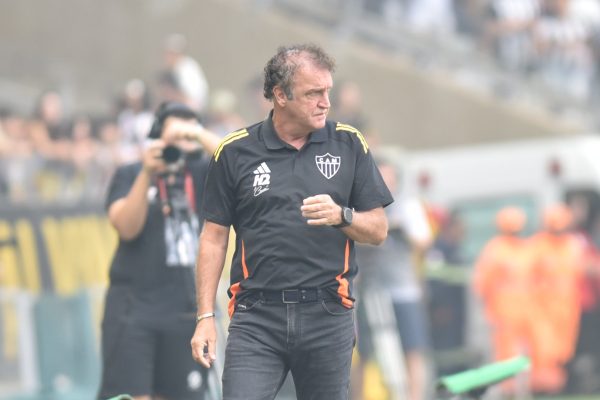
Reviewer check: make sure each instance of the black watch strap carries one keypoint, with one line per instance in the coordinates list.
(346, 218)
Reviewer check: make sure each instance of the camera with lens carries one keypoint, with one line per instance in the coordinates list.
(172, 154)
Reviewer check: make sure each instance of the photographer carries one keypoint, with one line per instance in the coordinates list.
(150, 304)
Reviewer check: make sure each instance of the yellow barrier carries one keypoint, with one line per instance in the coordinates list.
(79, 251)
(27, 249)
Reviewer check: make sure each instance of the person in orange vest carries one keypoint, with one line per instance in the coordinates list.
(503, 281)
(558, 269)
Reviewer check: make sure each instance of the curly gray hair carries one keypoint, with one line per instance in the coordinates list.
(281, 68)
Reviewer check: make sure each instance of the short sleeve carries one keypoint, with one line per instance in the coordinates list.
(121, 183)
(218, 192)
(369, 191)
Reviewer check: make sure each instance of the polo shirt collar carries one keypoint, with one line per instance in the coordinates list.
(273, 142)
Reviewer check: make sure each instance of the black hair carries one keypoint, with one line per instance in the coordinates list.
(170, 109)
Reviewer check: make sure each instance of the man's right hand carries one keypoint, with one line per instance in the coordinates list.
(152, 157)
(204, 342)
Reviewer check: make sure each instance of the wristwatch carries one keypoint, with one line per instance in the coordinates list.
(347, 215)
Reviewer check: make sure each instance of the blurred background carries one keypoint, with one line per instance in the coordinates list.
(483, 103)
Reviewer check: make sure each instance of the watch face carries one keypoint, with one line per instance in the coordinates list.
(348, 215)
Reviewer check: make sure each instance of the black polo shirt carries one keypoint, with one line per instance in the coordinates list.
(256, 182)
(139, 265)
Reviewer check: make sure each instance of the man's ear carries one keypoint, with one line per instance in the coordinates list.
(279, 96)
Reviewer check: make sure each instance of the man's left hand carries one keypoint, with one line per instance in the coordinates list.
(321, 210)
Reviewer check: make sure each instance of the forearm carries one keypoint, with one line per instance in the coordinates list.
(128, 215)
(206, 138)
(368, 227)
(209, 140)
(209, 266)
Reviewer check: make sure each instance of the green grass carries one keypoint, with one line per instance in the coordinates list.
(570, 398)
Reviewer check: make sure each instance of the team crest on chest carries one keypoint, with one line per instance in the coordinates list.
(328, 165)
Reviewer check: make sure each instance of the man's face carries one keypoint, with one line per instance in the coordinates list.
(310, 103)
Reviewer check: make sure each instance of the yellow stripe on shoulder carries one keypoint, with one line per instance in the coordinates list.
(349, 128)
(232, 137)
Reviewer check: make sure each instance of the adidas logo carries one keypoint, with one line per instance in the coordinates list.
(262, 179)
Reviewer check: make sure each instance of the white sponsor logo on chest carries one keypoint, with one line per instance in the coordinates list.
(262, 179)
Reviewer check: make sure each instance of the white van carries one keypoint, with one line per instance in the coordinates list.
(477, 180)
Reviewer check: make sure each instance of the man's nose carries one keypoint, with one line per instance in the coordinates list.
(325, 103)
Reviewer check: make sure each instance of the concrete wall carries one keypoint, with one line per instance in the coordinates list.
(91, 48)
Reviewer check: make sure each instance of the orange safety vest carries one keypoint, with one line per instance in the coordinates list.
(503, 281)
(558, 269)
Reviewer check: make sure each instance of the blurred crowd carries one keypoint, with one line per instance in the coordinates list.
(50, 155)
(554, 42)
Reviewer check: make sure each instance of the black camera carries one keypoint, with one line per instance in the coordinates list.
(172, 154)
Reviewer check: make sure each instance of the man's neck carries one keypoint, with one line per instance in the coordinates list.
(289, 132)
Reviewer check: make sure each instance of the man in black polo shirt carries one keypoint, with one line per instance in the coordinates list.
(298, 190)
